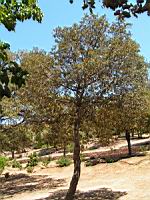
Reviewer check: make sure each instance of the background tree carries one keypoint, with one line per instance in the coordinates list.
(130, 113)
(49, 119)
(35, 95)
(14, 138)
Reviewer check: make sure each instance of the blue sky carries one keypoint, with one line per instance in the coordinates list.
(30, 34)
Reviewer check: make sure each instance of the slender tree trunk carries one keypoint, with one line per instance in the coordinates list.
(64, 149)
(55, 145)
(133, 134)
(76, 158)
(139, 135)
(129, 142)
(12, 154)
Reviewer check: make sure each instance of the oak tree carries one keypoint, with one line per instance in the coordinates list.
(93, 63)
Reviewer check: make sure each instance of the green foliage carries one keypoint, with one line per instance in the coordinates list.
(63, 162)
(110, 160)
(14, 138)
(121, 8)
(10, 72)
(33, 160)
(46, 161)
(82, 157)
(15, 10)
(93, 147)
(144, 148)
(88, 163)
(3, 163)
(93, 161)
(30, 169)
(70, 147)
(11, 12)
(16, 164)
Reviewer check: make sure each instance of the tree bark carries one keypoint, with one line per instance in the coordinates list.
(64, 152)
(129, 142)
(12, 154)
(76, 158)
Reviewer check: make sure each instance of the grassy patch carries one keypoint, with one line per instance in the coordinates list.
(63, 162)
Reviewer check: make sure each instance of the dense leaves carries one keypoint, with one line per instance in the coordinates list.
(121, 8)
(10, 72)
(12, 11)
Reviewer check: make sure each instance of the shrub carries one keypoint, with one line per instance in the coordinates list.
(30, 169)
(93, 147)
(94, 161)
(63, 162)
(44, 152)
(16, 164)
(33, 160)
(3, 163)
(46, 162)
(70, 147)
(143, 149)
(91, 162)
(82, 157)
(110, 160)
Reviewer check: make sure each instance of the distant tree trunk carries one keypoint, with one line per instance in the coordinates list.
(129, 142)
(76, 158)
(12, 154)
(139, 135)
(132, 133)
(55, 145)
(64, 152)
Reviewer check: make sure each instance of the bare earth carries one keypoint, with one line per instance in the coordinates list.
(130, 177)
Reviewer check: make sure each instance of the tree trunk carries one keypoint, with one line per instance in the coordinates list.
(76, 158)
(64, 152)
(12, 154)
(139, 135)
(129, 142)
(133, 134)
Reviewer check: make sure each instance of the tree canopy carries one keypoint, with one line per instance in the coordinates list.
(12, 11)
(121, 8)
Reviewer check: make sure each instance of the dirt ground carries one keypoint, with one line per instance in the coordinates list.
(127, 179)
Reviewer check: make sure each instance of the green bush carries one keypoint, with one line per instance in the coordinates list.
(30, 169)
(46, 162)
(33, 160)
(93, 147)
(16, 164)
(70, 147)
(82, 157)
(92, 162)
(143, 149)
(63, 162)
(110, 160)
(37, 146)
(3, 163)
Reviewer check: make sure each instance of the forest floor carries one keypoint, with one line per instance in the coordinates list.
(127, 179)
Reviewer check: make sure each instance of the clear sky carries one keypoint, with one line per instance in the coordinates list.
(30, 34)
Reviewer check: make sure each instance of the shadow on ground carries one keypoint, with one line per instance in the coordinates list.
(23, 182)
(99, 194)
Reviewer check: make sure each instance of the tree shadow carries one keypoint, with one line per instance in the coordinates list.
(23, 182)
(99, 194)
